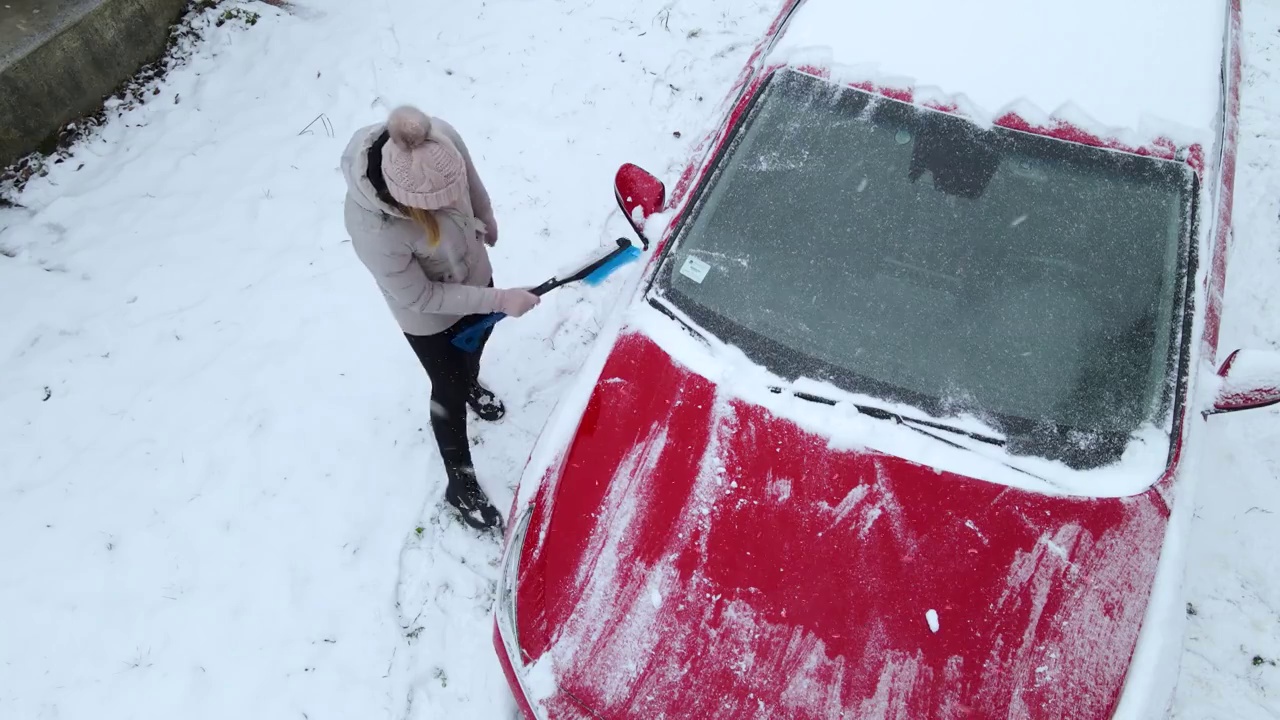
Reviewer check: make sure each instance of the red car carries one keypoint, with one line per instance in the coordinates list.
(897, 422)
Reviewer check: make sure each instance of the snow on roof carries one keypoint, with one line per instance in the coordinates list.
(1136, 68)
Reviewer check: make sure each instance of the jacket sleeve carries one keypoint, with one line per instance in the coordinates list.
(480, 203)
(400, 276)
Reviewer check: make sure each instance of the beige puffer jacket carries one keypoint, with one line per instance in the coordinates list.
(427, 288)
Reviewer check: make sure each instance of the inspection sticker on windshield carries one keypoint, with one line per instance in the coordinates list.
(695, 269)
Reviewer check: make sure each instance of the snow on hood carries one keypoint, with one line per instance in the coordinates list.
(1133, 70)
(701, 541)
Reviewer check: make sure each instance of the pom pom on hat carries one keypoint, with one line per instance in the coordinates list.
(422, 169)
(409, 127)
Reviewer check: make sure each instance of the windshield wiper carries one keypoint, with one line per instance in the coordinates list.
(917, 422)
(919, 426)
(911, 422)
(869, 410)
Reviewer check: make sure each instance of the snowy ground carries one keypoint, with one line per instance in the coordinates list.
(217, 495)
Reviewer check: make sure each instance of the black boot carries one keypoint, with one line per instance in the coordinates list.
(485, 404)
(468, 498)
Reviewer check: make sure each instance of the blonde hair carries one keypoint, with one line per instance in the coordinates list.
(426, 220)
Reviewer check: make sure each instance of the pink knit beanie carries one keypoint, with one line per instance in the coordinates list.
(422, 169)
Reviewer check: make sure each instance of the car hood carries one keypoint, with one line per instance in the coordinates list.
(696, 556)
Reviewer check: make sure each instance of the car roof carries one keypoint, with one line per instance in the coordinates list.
(1139, 69)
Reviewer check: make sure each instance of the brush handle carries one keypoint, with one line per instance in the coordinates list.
(468, 339)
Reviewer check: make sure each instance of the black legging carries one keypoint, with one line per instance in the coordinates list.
(453, 372)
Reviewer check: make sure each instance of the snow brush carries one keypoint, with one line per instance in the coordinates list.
(469, 338)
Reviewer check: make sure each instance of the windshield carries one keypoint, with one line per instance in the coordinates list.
(908, 254)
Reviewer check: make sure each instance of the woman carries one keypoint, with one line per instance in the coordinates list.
(419, 219)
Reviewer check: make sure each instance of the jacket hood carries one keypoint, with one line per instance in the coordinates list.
(355, 169)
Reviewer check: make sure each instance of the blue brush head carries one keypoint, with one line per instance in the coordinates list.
(601, 273)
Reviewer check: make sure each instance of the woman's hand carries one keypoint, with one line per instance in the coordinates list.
(491, 233)
(516, 302)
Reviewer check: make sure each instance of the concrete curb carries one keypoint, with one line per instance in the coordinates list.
(83, 54)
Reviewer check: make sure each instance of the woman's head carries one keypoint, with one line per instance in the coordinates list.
(423, 170)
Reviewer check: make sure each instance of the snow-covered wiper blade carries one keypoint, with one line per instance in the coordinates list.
(907, 420)
(917, 424)
(924, 427)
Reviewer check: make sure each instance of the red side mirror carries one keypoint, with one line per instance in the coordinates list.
(640, 195)
(1250, 379)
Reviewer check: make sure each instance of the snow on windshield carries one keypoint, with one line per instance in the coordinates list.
(908, 255)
